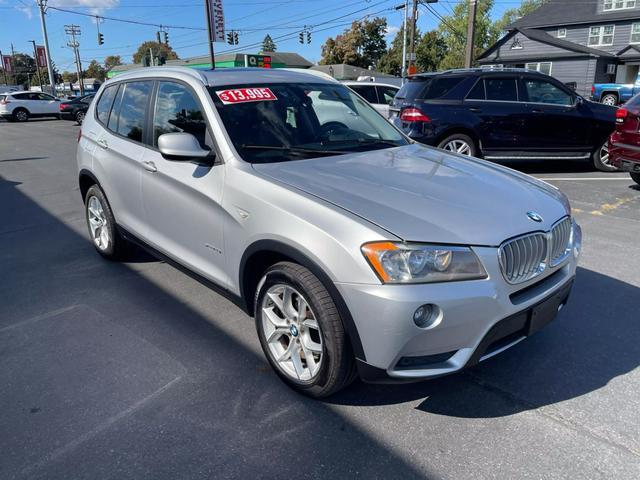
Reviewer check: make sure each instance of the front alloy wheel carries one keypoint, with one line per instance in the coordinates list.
(292, 332)
(301, 331)
(80, 117)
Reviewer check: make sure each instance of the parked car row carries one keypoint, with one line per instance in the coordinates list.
(20, 106)
(505, 114)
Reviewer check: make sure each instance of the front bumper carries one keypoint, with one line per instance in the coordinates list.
(478, 319)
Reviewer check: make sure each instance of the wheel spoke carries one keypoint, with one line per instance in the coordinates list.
(286, 355)
(277, 333)
(276, 299)
(296, 360)
(273, 317)
(302, 308)
(310, 323)
(287, 302)
(312, 365)
(310, 345)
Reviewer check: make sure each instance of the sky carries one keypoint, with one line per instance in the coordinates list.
(253, 19)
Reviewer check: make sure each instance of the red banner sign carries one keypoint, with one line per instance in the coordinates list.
(41, 56)
(6, 64)
(242, 95)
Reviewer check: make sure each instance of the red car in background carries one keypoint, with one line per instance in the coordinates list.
(624, 143)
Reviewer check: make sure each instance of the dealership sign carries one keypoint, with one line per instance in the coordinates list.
(259, 61)
(41, 56)
(216, 20)
(6, 64)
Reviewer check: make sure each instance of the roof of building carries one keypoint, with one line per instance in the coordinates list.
(572, 12)
(544, 37)
(343, 71)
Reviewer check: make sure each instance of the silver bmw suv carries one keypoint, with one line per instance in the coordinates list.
(357, 251)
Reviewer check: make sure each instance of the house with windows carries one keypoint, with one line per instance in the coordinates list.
(580, 42)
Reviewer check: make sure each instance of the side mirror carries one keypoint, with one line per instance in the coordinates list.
(579, 101)
(181, 146)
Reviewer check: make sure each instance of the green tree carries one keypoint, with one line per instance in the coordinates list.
(160, 51)
(513, 14)
(391, 61)
(111, 61)
(95, 70)
(453, 31)
(23, 66)
(268, 45)
(431, 48)
(69, 77)
(361, 45)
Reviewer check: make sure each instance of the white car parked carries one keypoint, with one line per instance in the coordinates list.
(379, 95)
(20, 106)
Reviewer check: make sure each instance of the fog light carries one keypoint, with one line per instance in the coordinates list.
(425, 315)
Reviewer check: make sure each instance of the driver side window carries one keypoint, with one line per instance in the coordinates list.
(541, 91)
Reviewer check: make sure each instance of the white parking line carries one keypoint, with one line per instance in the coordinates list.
(587, 179)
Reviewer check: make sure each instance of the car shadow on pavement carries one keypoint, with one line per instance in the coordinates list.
(594, 339)
(549, 166)
(22, 159)
(112, 367)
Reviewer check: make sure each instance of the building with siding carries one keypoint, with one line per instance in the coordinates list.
(580, 42)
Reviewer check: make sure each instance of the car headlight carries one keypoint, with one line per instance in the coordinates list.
(397, 262)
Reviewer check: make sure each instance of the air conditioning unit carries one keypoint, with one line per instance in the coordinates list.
(611, 68)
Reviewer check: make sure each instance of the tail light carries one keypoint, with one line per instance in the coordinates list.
(621, 115)
(593, 90)
(413, 114)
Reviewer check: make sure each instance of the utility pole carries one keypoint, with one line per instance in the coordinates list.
(74, 30)
(211, 39)
(471, 33)
(412, 41)
(151, 62)
(35, 57)
(403, 71)
(52, 81)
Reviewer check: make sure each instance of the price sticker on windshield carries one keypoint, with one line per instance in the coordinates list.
(242, 95)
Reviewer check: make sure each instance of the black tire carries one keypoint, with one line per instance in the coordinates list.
(600, 159)
(460, 137)
(337, 369)
(80, 117)
(635, 177)
(116, 247)
(21, 115)
(609, 99)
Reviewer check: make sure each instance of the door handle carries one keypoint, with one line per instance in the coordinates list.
(536, 110)
(475, 110)
(149, 166)
(102, 143)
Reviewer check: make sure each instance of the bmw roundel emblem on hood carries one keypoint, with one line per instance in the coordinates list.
(534, 216)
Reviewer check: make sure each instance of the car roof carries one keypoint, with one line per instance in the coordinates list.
(227, 76)
(20, 91)
(478, 71)
(375, 84)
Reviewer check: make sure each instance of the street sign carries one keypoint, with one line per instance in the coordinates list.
(216, 20)
(412, 56)
(41, 56)
(259, 61)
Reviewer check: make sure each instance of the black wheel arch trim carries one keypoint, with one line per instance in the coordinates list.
(302, 259)
(86, 173)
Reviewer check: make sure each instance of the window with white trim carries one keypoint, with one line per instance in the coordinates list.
(611, 5)
(601, 36)
(542, 67)
(635, 33)
(562, 33)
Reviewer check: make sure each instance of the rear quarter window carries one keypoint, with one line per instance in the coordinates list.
(441, 86)
(412, 89)
(104, 104)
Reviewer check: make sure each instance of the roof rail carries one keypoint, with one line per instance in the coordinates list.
(140, 72)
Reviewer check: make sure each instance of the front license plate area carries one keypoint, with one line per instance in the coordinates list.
(544, 313)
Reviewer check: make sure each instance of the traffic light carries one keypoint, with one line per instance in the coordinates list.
(230, 38)
(235, 38)
(308, 37)
(166, 38)
(100, 39)
(301, 37)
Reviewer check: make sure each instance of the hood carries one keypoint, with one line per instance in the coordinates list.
(423, 194)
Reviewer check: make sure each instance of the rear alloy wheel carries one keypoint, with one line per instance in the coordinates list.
(610, 99)
(460, 144)
(80, 117)
(102, 225)
(301, 332)
(635, 177)
(601, 159)
(20, 115)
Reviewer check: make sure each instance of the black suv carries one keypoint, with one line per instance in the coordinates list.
(504, 114)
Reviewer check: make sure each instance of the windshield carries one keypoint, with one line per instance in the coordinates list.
(292, 121)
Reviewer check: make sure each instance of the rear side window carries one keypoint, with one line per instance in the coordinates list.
(477, 92)
(412, 89)
(441, 86)
(501, 89)
(386, 94)
(22, 96)
(368, 92)
(104, 104)
(132, 111)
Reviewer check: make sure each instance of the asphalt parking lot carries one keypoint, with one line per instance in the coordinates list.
(138, 371)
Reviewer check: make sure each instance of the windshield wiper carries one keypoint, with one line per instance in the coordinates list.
(364, 141)
(292, 149)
